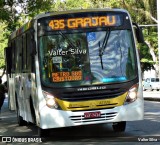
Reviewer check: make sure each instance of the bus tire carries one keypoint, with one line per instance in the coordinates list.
(43, 132)
(20, 120)
(144, 88)
(32, 111)
(151, 89)
(119, 126)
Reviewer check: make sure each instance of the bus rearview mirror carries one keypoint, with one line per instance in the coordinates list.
(139, 34)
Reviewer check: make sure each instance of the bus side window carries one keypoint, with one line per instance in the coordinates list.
(13, 56)
(24, 52)
(8, 55)
(29, 62)
(16, 55)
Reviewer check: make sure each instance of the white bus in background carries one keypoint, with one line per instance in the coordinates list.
(151, 84)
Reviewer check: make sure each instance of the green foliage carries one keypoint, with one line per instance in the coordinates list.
(4, 13)
(145, 58)
(35, 7)
(70, 4)
(3, 42)
(141, 11)
(152, 37)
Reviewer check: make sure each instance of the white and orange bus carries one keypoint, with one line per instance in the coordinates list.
(75, 68)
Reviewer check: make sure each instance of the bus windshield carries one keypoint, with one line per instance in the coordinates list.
(87, 58)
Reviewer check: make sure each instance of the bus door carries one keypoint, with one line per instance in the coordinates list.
(26, 75)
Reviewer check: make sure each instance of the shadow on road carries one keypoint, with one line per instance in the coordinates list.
(91, 133)
(9, 127)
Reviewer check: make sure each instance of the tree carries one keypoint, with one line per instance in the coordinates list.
(3, 42)
(14, 13)
(144, 12)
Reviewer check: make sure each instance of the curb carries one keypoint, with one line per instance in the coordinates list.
(152, 99)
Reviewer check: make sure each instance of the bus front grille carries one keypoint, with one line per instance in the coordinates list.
(104, 117)
(92, 95)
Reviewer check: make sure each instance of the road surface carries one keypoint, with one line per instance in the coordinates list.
(137, 132)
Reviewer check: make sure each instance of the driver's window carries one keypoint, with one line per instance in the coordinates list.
(147, 80)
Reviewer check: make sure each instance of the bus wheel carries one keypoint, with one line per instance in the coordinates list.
(119, 126)
(20, 120)
(151, 89)
(43, 132)
(144, 88)
(32, 112)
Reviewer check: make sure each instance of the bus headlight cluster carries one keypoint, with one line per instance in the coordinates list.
(50, 100)
(132, 94)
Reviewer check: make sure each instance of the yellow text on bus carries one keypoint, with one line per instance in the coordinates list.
(67, 76)
(86, 22)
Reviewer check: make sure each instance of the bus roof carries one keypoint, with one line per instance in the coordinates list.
(79, 11)
(29, 24)
(22, 29)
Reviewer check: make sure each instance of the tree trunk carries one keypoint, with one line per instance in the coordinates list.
(153, 56)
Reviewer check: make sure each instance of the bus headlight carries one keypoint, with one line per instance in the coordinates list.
(50, 100)
(132, 94)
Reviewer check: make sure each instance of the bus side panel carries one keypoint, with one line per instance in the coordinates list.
(23, 93)
(26, 93)
(18, 92)
(11, 93)
(34, 98)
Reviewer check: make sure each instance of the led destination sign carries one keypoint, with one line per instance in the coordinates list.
(85, 22)
(66, 76)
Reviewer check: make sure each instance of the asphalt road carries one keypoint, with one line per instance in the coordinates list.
(137, 132)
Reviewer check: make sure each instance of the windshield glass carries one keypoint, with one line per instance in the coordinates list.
(97, 57)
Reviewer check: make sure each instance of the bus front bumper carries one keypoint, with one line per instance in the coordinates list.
(52, 118)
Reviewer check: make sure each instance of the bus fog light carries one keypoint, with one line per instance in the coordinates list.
(132, 94)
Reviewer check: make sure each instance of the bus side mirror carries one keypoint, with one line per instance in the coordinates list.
(139, 34)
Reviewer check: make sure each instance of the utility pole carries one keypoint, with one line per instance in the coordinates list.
(158, 20)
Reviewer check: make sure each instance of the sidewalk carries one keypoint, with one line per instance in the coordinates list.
(5, 112)
(151, 95)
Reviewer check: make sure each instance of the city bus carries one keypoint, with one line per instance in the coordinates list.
(77, 67)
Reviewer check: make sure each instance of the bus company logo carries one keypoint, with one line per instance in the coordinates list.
(92, 88)
(21, 139)
(92, 105)
(6, 139)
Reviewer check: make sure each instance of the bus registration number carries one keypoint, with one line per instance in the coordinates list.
(92, 114)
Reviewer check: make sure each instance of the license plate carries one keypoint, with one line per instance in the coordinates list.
(92, 114)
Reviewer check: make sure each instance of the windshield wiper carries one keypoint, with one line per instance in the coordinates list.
(68, 40)
(102, 48)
